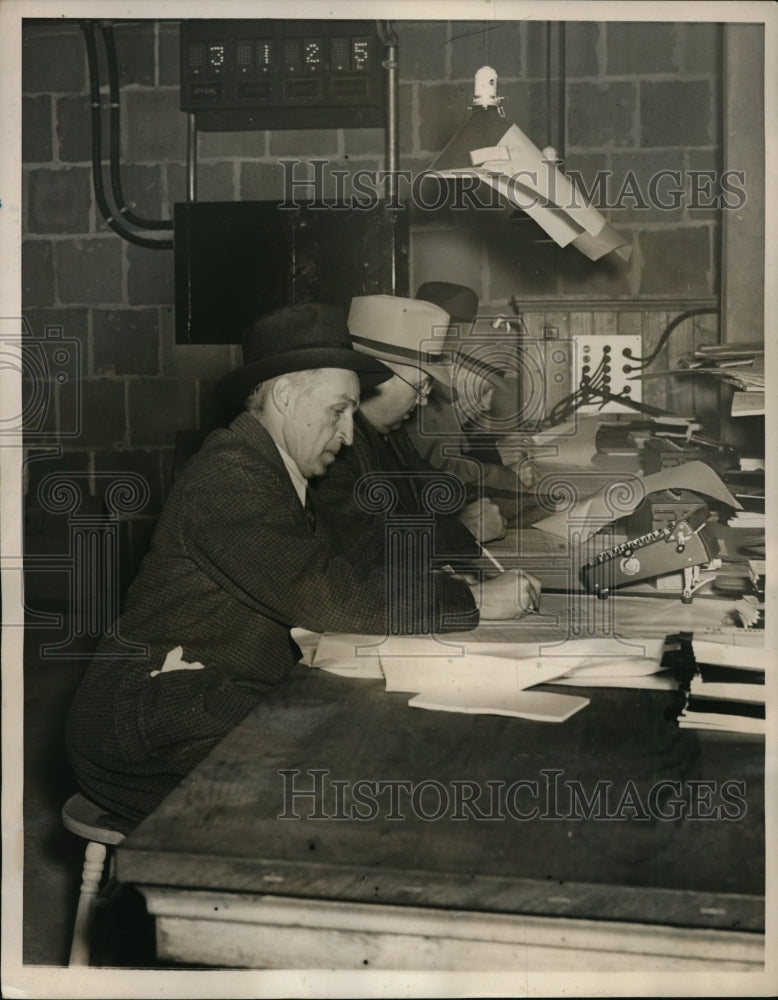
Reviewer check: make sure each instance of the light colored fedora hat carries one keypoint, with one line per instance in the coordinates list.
(405, 331)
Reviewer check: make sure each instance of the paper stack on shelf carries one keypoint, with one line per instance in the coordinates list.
(727, 692)
(740, 365)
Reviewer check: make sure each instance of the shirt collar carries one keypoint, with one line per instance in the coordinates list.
(299, 481)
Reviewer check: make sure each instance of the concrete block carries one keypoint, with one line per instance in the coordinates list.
(363, 141)
(216, 182)
(154, 127)
(169, 48)
(36, 129)
(104, 422)
(535, 34)
(608, 277)
(591, 176)
(677, 262)
(446, 255)
(158, 408)
(39, 413)
(197, 360)
(582, 41)
(39, 464)
(59, 200)
(37, 273)
(601, 114)
(675, 113)
(143, 463)
(126, 341)
(525, 104)
(149, 276)
(648, 186)
(229, 145)
(135, 53)
(90, 270)
(176, 183)
(422, 49)
(634, 48)
(518, 264)
(406, 111)
(142, 190)
(74, 128)
(304, 143)
(53, 59)
(72, 321)
(442, 109)
(701, 47)
(261, 181)
(485, 43)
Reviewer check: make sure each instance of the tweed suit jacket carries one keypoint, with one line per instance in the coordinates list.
(361, 532)
(234, 563)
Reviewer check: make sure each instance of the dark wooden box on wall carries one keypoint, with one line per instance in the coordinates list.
(237, 260)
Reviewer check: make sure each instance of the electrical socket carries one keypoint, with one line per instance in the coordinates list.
(603, 358)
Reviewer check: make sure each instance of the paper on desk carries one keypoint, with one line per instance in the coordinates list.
(573, 442)
(349, 655)
(628, 492)
(539, 706)
(475, 672)
(308, 643)
(664, 680)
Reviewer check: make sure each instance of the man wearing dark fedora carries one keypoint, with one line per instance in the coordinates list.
(237, 561)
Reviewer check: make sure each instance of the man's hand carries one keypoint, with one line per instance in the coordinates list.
(512, 594)
(483, 520)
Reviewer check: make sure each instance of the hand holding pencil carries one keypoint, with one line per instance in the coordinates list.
(513, 594)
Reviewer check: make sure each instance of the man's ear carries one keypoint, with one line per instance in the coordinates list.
(280, 393)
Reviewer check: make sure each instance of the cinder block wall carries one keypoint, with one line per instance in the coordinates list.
(640, 97)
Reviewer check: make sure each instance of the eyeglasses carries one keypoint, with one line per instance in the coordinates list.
(422, 391)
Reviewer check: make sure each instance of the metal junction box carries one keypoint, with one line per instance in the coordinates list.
(282, 74)
(237, 260)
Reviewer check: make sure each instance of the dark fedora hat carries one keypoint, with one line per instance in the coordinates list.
(298, 338)
(459, 301)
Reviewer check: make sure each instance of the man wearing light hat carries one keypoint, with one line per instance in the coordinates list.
(236, 561)
(408, 335)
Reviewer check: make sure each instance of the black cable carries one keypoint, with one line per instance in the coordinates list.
(644, 362)
(97, 175)
(115, 137)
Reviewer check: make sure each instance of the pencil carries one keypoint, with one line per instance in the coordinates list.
(491, 558)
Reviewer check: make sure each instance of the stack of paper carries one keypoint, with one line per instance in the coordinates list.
(727, 693)
(494, 677)
(740, 365)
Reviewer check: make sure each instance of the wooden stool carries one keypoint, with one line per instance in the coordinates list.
(100, 829)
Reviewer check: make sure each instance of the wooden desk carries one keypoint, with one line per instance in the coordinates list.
(455, 871)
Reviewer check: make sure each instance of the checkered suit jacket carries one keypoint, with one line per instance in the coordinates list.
(234, 563)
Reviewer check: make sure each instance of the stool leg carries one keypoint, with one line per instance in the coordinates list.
(94, 862)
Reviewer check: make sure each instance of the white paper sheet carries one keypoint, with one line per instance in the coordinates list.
(539, 706)
(593, 513)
